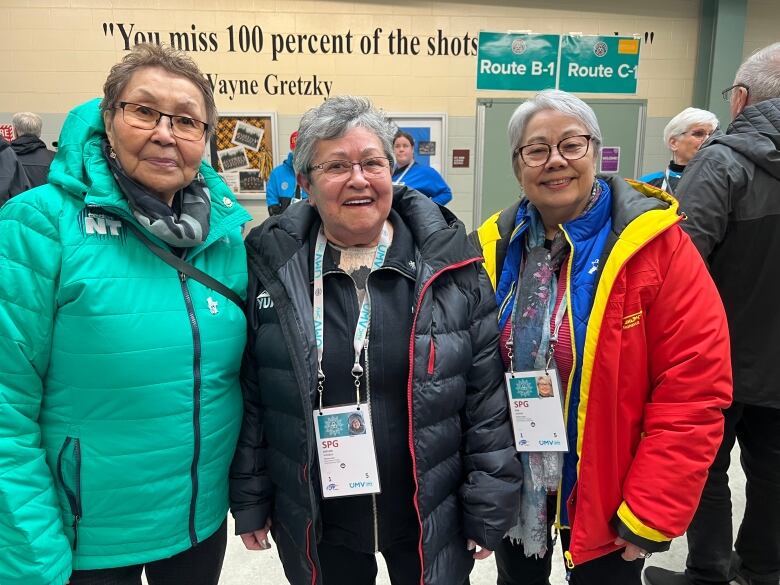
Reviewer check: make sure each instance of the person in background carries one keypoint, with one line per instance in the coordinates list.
(416, 176)
(731, 195)
(13, 179)
(120, 401)
(683, 136)
(372, 298)
(597, 283)
(282, 187)
(30, 149)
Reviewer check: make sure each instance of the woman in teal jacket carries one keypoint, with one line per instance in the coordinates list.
(119, 395)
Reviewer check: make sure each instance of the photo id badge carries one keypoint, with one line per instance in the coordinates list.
(345, 447)
(536, 403)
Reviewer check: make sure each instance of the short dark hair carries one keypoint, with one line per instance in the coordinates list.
(165, 57)
(402, 134)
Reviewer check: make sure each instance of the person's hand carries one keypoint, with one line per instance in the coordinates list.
(257, 540)
(632, 552)
(480, 554)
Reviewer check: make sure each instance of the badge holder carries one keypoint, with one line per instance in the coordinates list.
(536, 400)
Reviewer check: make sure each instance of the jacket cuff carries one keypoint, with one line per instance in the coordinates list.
(251, 519)
(633, 530)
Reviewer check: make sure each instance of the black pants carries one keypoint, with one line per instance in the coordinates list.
(341, 565)
(514, 568)
(758, 543)
(199, 565)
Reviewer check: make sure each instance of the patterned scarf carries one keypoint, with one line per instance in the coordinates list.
(533, 308)
(187, 228)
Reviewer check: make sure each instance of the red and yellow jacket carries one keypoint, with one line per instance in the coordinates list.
(651, 374)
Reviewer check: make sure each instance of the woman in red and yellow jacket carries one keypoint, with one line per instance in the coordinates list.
(595, 280)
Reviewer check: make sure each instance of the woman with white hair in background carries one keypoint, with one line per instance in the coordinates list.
(683, 135)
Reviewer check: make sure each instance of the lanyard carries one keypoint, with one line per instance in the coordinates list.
(360, 340)
(553, 338)
(666, 185)
(557, 329)
(406, 170)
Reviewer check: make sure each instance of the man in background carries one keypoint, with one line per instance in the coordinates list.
(730, 192)
(30, 149)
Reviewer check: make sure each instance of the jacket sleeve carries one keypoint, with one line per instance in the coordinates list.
(705, 192)
(491, 491)
(272, 189)
(690, 375)
(251, 490)
(34, 550)
(441, 192)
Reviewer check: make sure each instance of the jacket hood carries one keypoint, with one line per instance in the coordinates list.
(82, 171)
(4, 145)
(27, 144)
(438, 234)
(755, 134)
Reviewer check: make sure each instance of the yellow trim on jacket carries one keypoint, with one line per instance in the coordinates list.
(489, 237)
(634, 237)
(638, 527)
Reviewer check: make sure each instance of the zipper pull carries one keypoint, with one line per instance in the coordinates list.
(569, 561)
(182, 276)
(75, 526)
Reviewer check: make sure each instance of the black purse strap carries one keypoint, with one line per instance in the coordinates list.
(184, 267)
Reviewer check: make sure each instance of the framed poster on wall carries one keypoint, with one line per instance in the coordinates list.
(243, 150)
(429, 132)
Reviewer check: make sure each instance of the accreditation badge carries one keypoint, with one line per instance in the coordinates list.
(345, 447)
(536, 403)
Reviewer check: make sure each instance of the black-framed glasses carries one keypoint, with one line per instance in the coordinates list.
(728, 92)
(538, 153)
(146, 118)
(373, 167)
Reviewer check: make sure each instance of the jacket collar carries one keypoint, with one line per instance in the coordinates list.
(81, 169)
(434, 231)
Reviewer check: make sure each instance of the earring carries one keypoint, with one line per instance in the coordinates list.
(111, 152)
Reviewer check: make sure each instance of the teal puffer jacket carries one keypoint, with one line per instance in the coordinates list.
(119, 397)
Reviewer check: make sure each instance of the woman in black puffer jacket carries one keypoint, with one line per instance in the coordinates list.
(429, 374)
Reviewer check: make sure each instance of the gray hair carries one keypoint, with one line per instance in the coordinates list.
(332, 119)
(686, 119)
(165, 57)
(761, 74)
(25, 123)
(559, 101)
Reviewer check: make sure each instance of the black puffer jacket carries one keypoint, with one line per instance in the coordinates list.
(13, 179)
(730, 192)
(35, 158)
(465, 472)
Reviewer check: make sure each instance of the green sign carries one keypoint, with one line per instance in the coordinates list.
(521, 62)
(596, 64)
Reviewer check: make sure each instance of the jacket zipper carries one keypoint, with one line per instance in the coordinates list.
(74, 496)
(196, 374)
(374, 505)
(424, 289)
(367, 377)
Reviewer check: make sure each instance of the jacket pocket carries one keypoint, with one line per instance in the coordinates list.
(69, 476)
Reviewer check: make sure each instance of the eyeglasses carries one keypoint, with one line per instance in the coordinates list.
(146, 118)
(727, 93)
(698, 134)
(538, 153)
(373, 167)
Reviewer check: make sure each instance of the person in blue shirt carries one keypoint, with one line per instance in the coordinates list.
(683, 136)
(282, 188)
(424, 179)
